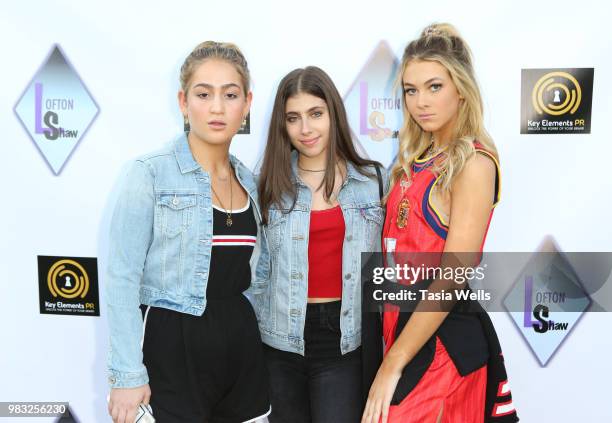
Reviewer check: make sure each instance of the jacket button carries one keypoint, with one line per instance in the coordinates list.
(349, 238)
(347, 276)
(295, 312)
(175, 201)
(345, 313)
(112, 379)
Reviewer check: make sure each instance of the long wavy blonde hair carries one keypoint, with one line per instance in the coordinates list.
(443, 44)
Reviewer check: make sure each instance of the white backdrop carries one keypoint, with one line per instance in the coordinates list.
(128, 54)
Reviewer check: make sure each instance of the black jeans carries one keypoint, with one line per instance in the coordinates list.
(322, 386)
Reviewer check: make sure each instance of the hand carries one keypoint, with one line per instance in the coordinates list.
(124, 402)
(381, 391)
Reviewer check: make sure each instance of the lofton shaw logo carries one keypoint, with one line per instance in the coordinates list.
(56, 109)
(68, 285)
(556, 101)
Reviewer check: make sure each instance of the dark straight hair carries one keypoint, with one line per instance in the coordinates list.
(276, 174)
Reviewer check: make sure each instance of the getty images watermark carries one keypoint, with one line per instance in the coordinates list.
(545, 293)
(406, 274)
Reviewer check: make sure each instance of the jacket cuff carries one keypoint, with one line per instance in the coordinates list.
(127, 380)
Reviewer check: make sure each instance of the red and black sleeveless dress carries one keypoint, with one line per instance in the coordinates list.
(460, 369)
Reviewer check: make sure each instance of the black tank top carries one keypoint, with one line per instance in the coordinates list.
(232, 247)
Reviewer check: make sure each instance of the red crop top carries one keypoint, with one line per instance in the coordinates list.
(325, 253)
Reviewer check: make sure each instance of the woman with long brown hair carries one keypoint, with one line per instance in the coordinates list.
(321, 206)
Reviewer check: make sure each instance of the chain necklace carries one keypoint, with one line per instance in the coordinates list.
(334, 195)
(311, 170)
(433, 151)
(228, 212)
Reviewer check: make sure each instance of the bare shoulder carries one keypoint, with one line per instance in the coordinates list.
(476, 179)
(477, 169)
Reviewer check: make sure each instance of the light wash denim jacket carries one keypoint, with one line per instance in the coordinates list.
(281, 304)
(160, 248)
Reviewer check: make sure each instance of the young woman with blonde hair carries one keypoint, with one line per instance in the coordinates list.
(185, 245)
(440, 365)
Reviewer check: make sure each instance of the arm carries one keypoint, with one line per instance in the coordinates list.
(386, 180)
(471, 202)
(260, 268)
(260, 261)
(130, 238)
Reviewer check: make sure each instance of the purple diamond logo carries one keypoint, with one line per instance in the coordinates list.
(546, 301)
(56, 109)
(374, 111)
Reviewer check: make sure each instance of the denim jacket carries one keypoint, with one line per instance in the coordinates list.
(281, 304)
(160, 248)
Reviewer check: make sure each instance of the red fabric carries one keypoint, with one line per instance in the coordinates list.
(425, 232)
(325, 253)
(417, 236)
(461, 398)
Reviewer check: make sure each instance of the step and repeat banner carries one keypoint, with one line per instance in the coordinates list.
(88, 86)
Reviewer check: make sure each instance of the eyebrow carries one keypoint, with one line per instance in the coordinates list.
(312, 109)
(210, 87)
(406, 84)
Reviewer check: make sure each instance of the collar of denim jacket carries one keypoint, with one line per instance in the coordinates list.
(352, 171)
(186, 161)
(183, 154)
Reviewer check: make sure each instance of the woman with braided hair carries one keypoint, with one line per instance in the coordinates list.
(440, 365)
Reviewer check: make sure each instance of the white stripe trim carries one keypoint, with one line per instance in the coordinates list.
(503, 409)
(254, 238)
(505, 388)
(234, 211)
(260, 417)
(218, 244)
(144, 325)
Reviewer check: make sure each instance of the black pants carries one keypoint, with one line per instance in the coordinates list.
(206, 369)
(322, 386)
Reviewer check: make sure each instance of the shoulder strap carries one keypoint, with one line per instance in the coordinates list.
(380, 182)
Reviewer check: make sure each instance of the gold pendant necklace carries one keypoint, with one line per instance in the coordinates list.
(403, 208)
(228, 220)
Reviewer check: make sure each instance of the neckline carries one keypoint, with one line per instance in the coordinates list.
(326, 210)
(426, 159)
(242, 209)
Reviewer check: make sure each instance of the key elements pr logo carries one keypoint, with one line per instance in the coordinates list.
(68, 285)
(556, 101)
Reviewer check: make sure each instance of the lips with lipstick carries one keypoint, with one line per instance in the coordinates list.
(309, 142)
(217, 125)
(426, 116)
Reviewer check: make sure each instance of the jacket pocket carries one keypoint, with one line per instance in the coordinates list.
(175, 212)
(374, 218)
(274, 229)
